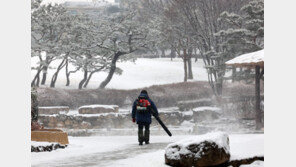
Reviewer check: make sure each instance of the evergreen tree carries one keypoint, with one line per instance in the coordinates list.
(243, 33)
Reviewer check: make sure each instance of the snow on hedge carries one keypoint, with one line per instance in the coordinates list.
(53, 107)
(220, 138)
(99, 115)
(113, 107)
(253, 57)
(207, 108)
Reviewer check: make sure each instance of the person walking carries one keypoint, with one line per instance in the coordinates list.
(141, 114)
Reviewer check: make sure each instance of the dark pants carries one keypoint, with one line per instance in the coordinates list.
(143, 137)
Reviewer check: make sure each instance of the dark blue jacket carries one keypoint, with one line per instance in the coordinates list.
(144, 117)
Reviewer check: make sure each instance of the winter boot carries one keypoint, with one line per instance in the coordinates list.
(146, 137)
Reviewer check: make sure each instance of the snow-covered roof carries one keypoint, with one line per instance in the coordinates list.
(249, 59)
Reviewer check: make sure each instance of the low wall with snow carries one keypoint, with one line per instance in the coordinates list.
(123, 120)
(98, 109)
(50, 110)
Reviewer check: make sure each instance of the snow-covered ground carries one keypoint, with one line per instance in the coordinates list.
(142, 73)
(125, 151)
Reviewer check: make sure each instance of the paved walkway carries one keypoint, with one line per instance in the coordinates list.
(105, 158)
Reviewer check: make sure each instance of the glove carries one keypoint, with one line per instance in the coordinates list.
(134, 120)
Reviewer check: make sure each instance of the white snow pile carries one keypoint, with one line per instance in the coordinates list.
(187, 113)
(113, 107)
(98, 115)
(220, 138)
(253, 57)
(207, 108)
(54, 107)
(37, 144)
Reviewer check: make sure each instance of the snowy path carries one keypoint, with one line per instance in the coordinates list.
(106, 158)
(124, 151)
(99, 150)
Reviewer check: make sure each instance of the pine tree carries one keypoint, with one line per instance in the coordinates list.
(243, 33)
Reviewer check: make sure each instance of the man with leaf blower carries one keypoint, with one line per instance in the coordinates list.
(143, 108)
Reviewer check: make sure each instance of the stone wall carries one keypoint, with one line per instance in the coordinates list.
(84, 122)
(98, 109)
(118, 120)
(53, 110)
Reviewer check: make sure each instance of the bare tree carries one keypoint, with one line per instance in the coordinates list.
(202, 16)
(179, 34)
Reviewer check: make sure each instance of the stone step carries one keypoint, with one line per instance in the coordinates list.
(98, 109)
(51, 110)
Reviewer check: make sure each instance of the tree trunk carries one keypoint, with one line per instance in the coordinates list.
(67, 73)
(173, 53)
(55, 75)
(195, 54)
(68, 79)
(185, 65)
(185, 69)
(88, 79)
(54, 79)
(112, 70)
(219, 88)
(44, 74)
(36, 78)
(162, 53)
(83, 80)
(190, 73)
(90, 75)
